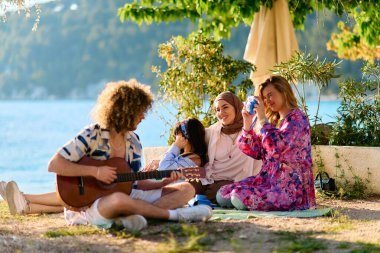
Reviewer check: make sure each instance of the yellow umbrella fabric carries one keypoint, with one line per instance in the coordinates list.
(271, 40)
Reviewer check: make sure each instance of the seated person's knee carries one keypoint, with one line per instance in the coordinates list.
(119, 200)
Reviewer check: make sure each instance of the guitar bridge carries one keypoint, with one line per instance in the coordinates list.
(80, 185)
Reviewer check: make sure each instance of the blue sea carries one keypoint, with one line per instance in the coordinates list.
(32, 131)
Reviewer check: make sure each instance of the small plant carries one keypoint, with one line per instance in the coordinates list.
(355, 188)
(343, 222)
(302, 69)
(197, 72)
(346, 188)
(318, 160)
(358, 120)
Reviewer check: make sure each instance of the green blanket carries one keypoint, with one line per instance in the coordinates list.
(231, 214)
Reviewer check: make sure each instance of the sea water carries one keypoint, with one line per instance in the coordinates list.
(32, 131)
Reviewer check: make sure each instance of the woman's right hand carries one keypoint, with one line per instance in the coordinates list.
(106, 174)
(247, 118)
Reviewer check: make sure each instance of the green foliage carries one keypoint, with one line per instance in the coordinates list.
(197, 72)
(301, 69)
(358, 119)
(349, 45)
(219, 16)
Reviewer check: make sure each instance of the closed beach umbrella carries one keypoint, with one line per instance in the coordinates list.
(271, 40)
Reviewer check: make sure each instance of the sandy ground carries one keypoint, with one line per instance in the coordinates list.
(355, 227)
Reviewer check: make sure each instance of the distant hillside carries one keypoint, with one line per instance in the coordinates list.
(80, 45)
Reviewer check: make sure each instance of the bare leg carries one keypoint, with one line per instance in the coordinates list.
(119, 204)
(47, 199)
(175, 196)
(37, 208)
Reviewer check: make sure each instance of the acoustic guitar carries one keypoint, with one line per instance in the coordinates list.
(77, 192)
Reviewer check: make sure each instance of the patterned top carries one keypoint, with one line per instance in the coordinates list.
(285, 181)
(93, 141)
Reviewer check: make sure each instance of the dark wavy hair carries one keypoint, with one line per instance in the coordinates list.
(194, 132)
(120, 105)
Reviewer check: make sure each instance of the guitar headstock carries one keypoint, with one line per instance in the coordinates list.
(194, 172)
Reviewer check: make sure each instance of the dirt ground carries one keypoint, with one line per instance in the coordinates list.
(355, 227)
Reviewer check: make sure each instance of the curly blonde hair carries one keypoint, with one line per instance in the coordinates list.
(120, 105)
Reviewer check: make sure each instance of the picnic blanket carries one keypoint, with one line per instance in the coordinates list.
(232, 214)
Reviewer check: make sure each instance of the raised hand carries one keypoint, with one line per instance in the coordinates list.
(247, 117)
(259, 111)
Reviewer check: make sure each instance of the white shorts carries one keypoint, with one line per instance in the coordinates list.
(92, 216)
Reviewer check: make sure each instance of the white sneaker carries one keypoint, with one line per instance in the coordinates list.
(16, 201)
(195, 213)
(134, 222)
(3, 184)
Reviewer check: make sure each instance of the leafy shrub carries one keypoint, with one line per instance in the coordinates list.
(358, 119)
(197, 72)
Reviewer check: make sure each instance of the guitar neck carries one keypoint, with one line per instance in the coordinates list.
(135, 176)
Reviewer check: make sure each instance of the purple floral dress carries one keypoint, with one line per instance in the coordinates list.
(285, 181)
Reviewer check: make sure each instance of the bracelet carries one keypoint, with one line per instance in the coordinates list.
(97, 173)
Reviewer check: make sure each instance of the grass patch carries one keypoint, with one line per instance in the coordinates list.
(344, 222)
(5, 215)
(343, 245)
(299, 242)
(120, 232)
(184, 238)
(339, 228)
(74, 231)
(366, 248)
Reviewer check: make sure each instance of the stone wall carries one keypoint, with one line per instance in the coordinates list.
(352, 160)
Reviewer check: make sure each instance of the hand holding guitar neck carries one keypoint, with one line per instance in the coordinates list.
(174, 176)
(106, 174)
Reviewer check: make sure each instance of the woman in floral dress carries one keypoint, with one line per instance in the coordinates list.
(285, 181)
